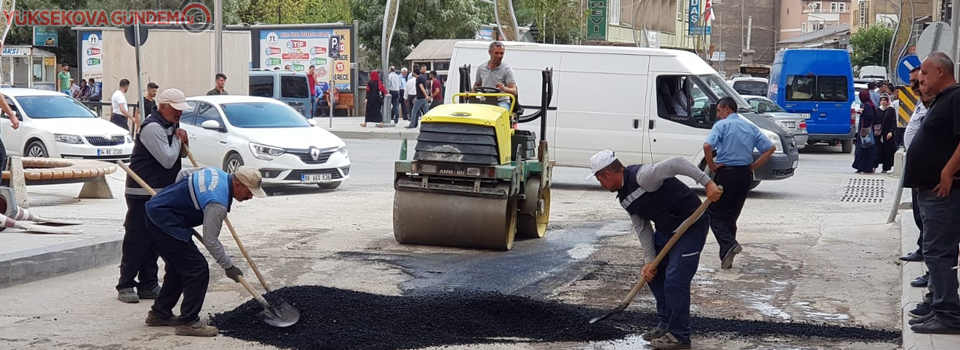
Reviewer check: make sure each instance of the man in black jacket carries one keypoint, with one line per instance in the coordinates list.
(156, 158)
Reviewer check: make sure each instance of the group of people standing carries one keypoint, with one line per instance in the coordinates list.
(411, 95)
(877, 140)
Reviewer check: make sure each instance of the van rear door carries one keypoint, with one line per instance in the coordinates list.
(294, 91)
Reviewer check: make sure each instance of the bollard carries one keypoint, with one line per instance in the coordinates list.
(18, 182)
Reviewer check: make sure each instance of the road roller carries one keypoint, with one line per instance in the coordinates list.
(475, 180)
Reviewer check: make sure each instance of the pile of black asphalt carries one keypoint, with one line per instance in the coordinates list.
(334, 318)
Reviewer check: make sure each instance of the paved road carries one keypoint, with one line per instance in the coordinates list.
(808, 257)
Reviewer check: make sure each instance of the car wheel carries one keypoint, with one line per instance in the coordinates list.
(36, 149)
(330, 186)
(233, 162)
(846, 146)
(754, 184)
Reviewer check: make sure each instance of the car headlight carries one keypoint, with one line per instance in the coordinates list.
(67, 138)
(129, 140)
(342, 149)
(265, 152)
(775, 139)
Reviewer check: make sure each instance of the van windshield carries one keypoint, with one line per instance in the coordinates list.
(720, 89)
(746, 87)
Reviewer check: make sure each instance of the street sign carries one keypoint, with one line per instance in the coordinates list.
(129, 33)
(45, 36)
(907, 64)
(937, 37)
(597, 20)
(693, 25)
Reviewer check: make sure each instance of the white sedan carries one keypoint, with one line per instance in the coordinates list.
(229, 131)
(55, 125)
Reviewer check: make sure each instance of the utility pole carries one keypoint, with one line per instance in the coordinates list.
(955, 26)
(218, 33)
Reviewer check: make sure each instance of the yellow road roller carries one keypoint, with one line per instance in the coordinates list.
(475, 181)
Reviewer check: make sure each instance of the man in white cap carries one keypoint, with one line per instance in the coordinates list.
(651, 192)
(156, 158)
(201, 196)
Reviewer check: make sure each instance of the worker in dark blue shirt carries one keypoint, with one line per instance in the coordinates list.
(734, 138)
(652, 193)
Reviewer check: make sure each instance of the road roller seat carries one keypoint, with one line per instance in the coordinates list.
(470, 133)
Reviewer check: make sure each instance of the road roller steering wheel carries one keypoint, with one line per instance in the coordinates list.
(487, 90)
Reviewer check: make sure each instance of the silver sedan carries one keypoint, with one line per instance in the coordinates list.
(792, 122)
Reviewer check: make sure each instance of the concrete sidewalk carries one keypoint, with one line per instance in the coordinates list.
(912, 296)
(26, 257)
(349, 128)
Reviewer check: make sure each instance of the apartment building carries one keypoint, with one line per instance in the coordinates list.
(653, 23)
(744, 32)
(799, 17)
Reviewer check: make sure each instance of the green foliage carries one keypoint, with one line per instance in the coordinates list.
(559, 21)
(417, 20)
(871, 46)
(296, 11)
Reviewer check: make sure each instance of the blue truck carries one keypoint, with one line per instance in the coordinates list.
(817, 83)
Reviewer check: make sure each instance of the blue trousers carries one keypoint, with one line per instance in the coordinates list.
(671, 286)
(420, 107)
(395, 103)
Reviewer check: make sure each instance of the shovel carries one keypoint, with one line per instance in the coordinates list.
(281, 315)
(663, 253)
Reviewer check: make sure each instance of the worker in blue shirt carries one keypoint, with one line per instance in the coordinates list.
(200, 196)
(734, 138)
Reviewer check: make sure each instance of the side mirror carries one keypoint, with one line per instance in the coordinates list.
(211, 125)
(312, 122)
(713, 112)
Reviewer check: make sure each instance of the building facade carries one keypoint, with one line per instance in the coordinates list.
(799, 17)
(653, 23)
(744, 32)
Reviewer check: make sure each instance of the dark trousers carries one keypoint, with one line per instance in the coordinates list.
(671, 285)
(395, 105)
(725, 212)
(3, 164)
(186, 274)
(120, 120)
(139, 256)
(403, 104)
(941, 236)
(917, 218)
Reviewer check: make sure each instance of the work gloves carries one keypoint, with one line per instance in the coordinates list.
(234, 273)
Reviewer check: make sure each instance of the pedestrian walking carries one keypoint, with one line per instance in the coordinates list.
(404, 106)
(156, 158)
(883, 133)
(63, 79)
(149, 100)
(734, 139)
(933, 168)
(422, 102)
(651, 192)
(411, 90)
(375, 93)
(201, 196)
(866, 152)
(121, 115)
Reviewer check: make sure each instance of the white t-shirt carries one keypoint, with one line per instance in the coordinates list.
(411, 88)
(118, 99)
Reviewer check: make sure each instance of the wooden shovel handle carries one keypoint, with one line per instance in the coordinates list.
(233, 232)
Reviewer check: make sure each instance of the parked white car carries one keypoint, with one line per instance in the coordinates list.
(57, 126)
(267, 134)
(749, 86)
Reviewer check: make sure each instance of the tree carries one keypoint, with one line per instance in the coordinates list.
(871, 46)
(559, 21)
(296, 11)
(417, 20)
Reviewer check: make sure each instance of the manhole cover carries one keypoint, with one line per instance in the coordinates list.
(864, 191)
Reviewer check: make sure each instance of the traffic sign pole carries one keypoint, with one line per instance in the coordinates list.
(955, 25)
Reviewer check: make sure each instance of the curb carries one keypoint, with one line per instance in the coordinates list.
(52, 261)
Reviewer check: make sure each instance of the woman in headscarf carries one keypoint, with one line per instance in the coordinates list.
(883, 134)
(864, 157)
(375, 93)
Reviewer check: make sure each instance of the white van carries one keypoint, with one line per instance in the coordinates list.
(608, 98)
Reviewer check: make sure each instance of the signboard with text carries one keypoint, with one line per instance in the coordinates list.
(91, 55)
(597, 20)
(45, 36)
(694, 24)
(328, 50)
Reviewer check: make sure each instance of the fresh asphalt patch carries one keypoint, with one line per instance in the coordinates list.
(334, 318)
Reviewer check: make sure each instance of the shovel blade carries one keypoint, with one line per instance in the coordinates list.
(281, 314)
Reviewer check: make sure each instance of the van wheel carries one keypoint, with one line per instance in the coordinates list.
(754, 184)
(846, 146)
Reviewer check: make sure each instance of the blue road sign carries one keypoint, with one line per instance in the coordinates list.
(907, 64)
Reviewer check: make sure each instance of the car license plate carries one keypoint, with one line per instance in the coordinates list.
(108, 152)
(314, 178)
(790, 125)
(805, 115)
(796, 163)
